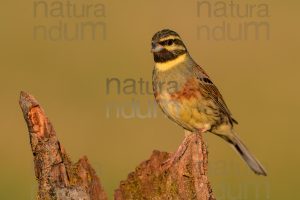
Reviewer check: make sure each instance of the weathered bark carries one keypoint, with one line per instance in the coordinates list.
(58, 178)
(162, 177)
(182, 175)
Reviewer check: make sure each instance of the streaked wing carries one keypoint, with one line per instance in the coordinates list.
(212, 91)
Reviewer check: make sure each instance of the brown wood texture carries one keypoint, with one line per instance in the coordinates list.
(57, 176)
(179, 175)
(162, 177)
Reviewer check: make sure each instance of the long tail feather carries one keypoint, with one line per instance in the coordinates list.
(241, 148)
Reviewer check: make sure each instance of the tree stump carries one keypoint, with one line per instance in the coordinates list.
(159, 178)
(57, 177)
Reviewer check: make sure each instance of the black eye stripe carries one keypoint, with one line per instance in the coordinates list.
(165, 42)
(170, 42)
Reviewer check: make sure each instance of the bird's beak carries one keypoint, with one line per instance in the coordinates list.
(156, 47)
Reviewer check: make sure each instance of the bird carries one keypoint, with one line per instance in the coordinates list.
(187, 96)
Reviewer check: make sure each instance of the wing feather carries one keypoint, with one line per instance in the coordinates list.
(211, 91)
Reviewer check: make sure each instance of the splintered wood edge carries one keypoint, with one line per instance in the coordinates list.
(53, 167)
(184, 179)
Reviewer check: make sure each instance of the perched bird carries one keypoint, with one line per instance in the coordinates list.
(186, 94)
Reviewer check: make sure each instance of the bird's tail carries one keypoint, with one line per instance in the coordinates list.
(240, 147)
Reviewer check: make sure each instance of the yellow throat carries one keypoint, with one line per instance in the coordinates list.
(170, 64)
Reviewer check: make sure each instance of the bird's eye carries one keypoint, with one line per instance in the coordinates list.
(170, 42)
(167, 42)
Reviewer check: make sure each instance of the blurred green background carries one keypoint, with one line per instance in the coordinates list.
(258, 77)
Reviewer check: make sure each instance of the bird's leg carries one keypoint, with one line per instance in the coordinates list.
(180, 151)
(187, 133)
(182, 148)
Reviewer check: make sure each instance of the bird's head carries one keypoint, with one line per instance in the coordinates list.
(167, 46)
